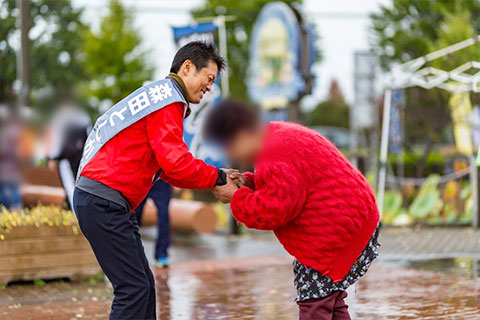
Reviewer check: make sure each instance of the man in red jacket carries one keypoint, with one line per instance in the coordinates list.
(319, 206)
(137, 141)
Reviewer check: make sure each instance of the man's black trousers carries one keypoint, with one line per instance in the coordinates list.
(113, 234)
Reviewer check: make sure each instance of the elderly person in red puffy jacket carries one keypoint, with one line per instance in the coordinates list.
(137, 141)
(319, 206)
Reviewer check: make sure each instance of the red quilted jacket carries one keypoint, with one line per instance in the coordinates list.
(319, 206)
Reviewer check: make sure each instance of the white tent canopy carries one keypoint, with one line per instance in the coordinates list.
(415, 73)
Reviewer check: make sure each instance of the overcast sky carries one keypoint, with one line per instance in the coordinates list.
(341, 24)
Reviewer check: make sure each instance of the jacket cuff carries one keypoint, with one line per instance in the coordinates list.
(221, 178)
(250, 178)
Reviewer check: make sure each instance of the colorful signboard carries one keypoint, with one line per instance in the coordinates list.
(276, 57)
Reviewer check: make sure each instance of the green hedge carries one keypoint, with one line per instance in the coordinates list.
(435, 163)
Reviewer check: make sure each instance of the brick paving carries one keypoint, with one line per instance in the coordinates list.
(429, 243)
(250, 277)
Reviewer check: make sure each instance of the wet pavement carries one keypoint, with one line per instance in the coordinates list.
(194, 247)
(219, 277)
(398, 244)
(254, 288)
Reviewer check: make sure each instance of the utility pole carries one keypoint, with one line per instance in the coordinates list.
(474, 176)
(23, 59)
(382, 175)
(293, 109)
(222, 42)
(219, 20)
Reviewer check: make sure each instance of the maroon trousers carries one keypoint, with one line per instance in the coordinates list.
(332, 307)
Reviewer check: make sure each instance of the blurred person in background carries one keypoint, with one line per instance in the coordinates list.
(11, 128)
(68, 131)
(161, 194)
(319, 206)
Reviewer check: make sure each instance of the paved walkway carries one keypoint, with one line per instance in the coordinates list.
(250, 277)
(254, 288)
(397, 244)
(429, 243)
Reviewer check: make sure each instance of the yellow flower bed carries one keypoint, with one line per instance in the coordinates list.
(37, 216)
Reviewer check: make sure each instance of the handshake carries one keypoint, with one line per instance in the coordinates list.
(235, 180)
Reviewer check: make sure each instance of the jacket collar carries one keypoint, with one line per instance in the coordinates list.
(183, 89)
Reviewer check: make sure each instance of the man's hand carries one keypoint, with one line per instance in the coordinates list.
(229, 171)
(224, 193)
(238, 178)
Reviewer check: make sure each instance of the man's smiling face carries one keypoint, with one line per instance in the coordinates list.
(198, 82)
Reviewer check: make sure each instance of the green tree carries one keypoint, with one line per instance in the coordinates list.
(333, 111)
(457, 27)
(56, 37)
(238, 35)
(113, 61)
(404, 30)
(8, 70)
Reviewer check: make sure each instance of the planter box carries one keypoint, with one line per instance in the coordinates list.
(29, 253)
(40, 175)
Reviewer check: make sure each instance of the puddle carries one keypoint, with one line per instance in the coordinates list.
(460, 266)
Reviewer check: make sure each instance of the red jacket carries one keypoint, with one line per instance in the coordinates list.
(320, 207)
(130, 160)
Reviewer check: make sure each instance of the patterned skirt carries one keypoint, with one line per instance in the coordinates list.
(310, 284)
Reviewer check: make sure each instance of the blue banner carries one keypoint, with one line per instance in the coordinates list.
(193, 125)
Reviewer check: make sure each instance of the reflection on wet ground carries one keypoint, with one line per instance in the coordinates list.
(255, 288)
(266, 292)
(250, 277)
(399, 293)
(460, 266)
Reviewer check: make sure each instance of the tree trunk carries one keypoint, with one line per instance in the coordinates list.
(423, 159)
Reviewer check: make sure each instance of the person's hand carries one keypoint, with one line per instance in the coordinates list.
(229, 171)
(239, 179)
(52, 165)
(225, 193)
(236, 176)
(176, 190)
